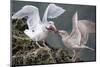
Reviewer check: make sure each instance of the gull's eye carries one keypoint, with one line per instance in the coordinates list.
(32, 30)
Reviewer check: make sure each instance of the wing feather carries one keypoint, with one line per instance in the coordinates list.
(86, 27)
(52, 11)
(33, 15)
(75, 34)
(89, 26)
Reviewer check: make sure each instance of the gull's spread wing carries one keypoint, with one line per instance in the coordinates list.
(33, 15)
(52, 11)
(89, 26)
(86, 27)
(75, 34)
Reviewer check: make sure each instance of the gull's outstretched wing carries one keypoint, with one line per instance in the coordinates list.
(75, 34)
(33, 15)
(52, 11)
(86, 27)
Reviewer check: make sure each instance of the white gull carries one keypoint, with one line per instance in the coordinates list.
(37, 29)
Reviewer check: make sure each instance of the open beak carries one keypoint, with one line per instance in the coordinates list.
(52, 28)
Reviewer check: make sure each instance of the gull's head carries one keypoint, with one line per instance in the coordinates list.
(51, 27)
(62, 33)
(27, 10)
